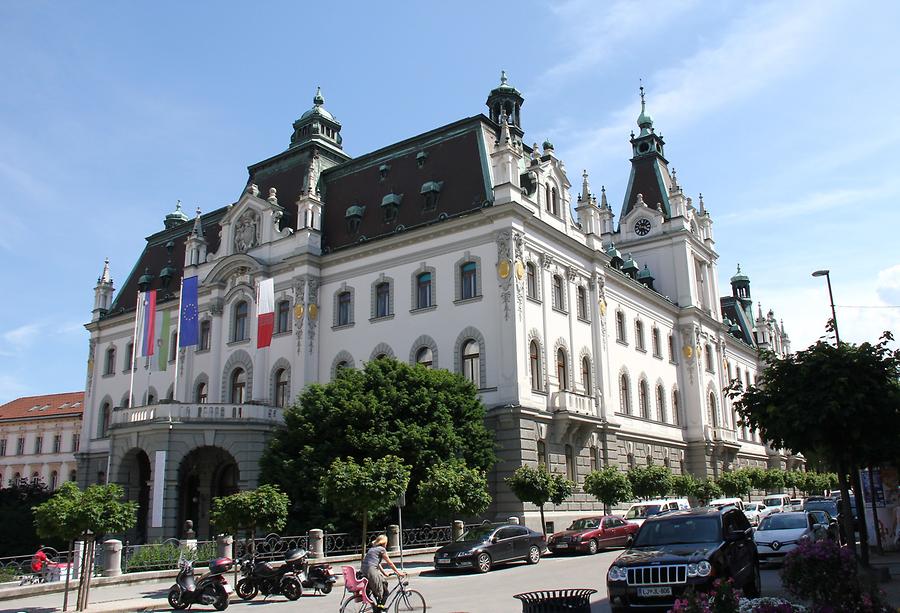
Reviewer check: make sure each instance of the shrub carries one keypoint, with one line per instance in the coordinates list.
(164, 556)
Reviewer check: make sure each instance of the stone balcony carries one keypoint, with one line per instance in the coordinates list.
(176, 412)
(722, 437)
(572, 402)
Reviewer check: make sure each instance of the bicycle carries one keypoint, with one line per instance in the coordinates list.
(400, 597)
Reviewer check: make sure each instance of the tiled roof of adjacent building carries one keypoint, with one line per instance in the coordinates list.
(67, 404)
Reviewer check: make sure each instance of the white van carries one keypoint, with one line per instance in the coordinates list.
(640, 511)
(725, 502)
(777, 503)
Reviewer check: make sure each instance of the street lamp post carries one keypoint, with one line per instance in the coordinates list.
(825, 273)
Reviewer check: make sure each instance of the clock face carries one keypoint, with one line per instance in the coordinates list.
(642, 226)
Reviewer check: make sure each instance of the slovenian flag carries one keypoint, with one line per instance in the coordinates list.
(265, 312)
(148, 322)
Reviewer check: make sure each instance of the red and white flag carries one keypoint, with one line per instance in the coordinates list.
(265, 312)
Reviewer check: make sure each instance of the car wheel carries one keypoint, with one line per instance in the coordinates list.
(534, 555)
(629, 541)
(753, 589)
(483, 562)
(593, 547)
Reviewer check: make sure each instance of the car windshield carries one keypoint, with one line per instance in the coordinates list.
(822, 505)
(678, 530)
(784, 521)
(482, 533)
(584, 524)
(752, 506)
(773, 502)
(642, 511)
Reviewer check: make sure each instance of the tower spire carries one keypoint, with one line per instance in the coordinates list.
(585, 188)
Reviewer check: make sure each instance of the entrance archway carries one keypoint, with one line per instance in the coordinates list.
(134, 475)
(205, 473)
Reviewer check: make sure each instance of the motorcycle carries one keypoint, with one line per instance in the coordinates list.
(210, 589)
(259, 576)
(318, 577)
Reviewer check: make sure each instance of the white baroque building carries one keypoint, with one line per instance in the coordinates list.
(593, 340)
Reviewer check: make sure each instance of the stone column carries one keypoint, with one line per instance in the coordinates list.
(225, 546)
(112, 558)
(513, 520)
(393, 535)
(458, 528)
(76, 559)
(316, 544)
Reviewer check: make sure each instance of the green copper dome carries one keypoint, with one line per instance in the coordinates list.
(645, 274)
(739, 276)
(318, 108)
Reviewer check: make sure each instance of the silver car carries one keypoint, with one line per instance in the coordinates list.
(755, 512)
(780, 533)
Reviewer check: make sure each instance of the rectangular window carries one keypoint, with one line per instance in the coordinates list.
(344, 304)
(57, 443)
(639, 336)
(423, 290)
(468, 279)
(205, 334)
(76, 442)
(283, 317)
(531, 272)
(38, 444)
(671, 348)
(582, 302)
(20, 446)
(3, 448)
(620, 327)
(382, 300)
(558, 295)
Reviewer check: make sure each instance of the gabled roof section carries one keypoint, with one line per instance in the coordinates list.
(648, 179)
(454, 158)
(67, 404)
(734, 311)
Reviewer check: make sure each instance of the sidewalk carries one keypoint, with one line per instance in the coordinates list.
(130, 598)
(887, 563)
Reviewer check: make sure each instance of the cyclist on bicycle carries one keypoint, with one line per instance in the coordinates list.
(371, 569)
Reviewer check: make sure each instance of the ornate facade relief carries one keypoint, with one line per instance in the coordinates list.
(300, 311)
(505, 269)
(313, 310)
(246, 232)
(519, 270)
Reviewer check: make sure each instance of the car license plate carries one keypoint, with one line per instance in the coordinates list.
(647, 592)
(562, 545)
(443, 561)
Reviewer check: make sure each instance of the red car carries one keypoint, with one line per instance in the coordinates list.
(591, 534)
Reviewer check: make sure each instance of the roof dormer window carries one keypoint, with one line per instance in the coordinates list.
(430, 192)
(390, 204)
(353, 216)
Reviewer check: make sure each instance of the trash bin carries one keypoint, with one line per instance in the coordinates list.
(557, 601)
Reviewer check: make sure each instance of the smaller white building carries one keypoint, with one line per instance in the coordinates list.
(39, 436)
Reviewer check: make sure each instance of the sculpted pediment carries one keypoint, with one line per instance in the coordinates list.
(252, 221)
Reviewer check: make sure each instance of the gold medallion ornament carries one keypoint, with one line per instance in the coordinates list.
(603, 307)
(520, 270)
(503, 269)
(298, 311)
(688, 351)
(313, 311)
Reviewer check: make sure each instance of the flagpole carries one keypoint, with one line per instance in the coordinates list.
(137, 317)
(178, 340)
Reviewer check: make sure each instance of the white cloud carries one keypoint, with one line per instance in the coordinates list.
(888, 285)
(11, 388)
(23, 336)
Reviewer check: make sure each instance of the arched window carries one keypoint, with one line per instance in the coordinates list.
(713, 411)
(639, 335)
(382, 299)
(586, 374)
(341, 365)
(54, 480)
(35, 477)
(531, 272)
(555, 200)
(548, 201)
(151, 398)
(205, 335)
(534, 361)
(657, 349)
(423, 290)
(570, 463)
(239, 325)
(661, 402)
(558, 295)
(345, 308)
(562, 371)
(541, 454)
(103, 425)
(582, 302)
(737, 375)
(73, 476)
(109, 367)
(127, 358)
(471, 362)
(709, 358)
(644, 399)
(202, 394)
(425, 357)
(595, 460)
(282, 388)
(624, 394)
(675, 406)
(620, 327)
(238, 385)
(468, 280)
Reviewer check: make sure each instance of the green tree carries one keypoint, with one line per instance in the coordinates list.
(794, 479)
(264, 508)
(757, 478)
(423, 416)
(538, 486)
(773, 480)
(367, 488)
(683, 485)
(650, 481)
(734, 483)
(451, 490)
(609, 485)
(90, 514)
(17, 533)
(834, 402)
(706, 490)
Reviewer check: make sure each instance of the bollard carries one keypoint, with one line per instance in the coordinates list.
(76, 559)
(188, 545)
(513, 520)
(316, 544)
(225, 546)
(393, 534)
(112, 558)
(458, 529)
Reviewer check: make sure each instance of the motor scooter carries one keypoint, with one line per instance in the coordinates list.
(210, 589)
(318, 577)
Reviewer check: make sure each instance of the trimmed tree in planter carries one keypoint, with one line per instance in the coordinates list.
(451, 489)
(609, 485)
(264, 508)
(539, 486)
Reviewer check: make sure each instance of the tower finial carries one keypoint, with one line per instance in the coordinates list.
(644, 121)
(603, 203)
(318, 99)
(503, 78)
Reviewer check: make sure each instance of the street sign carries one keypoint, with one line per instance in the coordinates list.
(401, 500)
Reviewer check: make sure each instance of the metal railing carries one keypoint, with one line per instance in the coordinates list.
(269, 547)
(165, 555)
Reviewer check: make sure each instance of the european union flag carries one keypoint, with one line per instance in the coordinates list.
(190, 321)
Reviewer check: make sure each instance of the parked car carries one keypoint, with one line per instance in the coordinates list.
(591, 534)
(823, 518)
(796, 504)
(780, 533)
(832, 507)
(640, 511)
(755, 511)
(777, 502)
(483, 547)
(722, 502)
(682, 550)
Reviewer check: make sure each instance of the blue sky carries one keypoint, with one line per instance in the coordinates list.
(782, 114)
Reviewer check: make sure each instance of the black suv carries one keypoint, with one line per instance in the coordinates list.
(683, 549)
